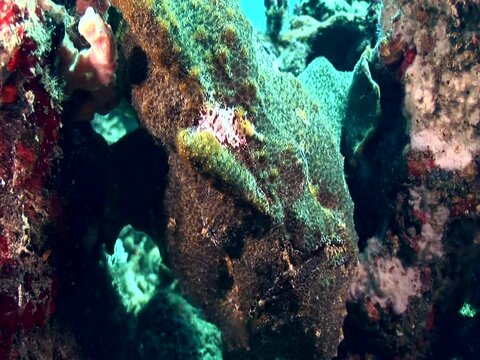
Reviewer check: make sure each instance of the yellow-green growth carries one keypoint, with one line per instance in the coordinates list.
(213, 160)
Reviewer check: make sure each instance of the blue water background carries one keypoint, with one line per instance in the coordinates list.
(255, 11)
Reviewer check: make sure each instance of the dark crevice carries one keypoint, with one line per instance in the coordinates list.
(101, 188)
(377, 177)
(343, 58)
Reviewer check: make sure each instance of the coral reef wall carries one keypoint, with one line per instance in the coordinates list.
(243, 164)
(29, 130)
(38, 249)
(417, 275)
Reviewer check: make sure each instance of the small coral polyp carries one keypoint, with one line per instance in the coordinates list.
(225, 123)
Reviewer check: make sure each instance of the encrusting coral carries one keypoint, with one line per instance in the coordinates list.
(31, 210)
(29, 131)
(430, 239)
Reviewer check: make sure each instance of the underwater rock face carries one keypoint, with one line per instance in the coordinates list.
(260, 230)
(33, 220)
(258, 217)
(431, 242)
(318, 27)
(29, 125)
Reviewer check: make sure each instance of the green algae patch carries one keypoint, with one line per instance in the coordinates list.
(210, 158)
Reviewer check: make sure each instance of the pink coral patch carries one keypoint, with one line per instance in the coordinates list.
(223, 124)
(100, 6)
